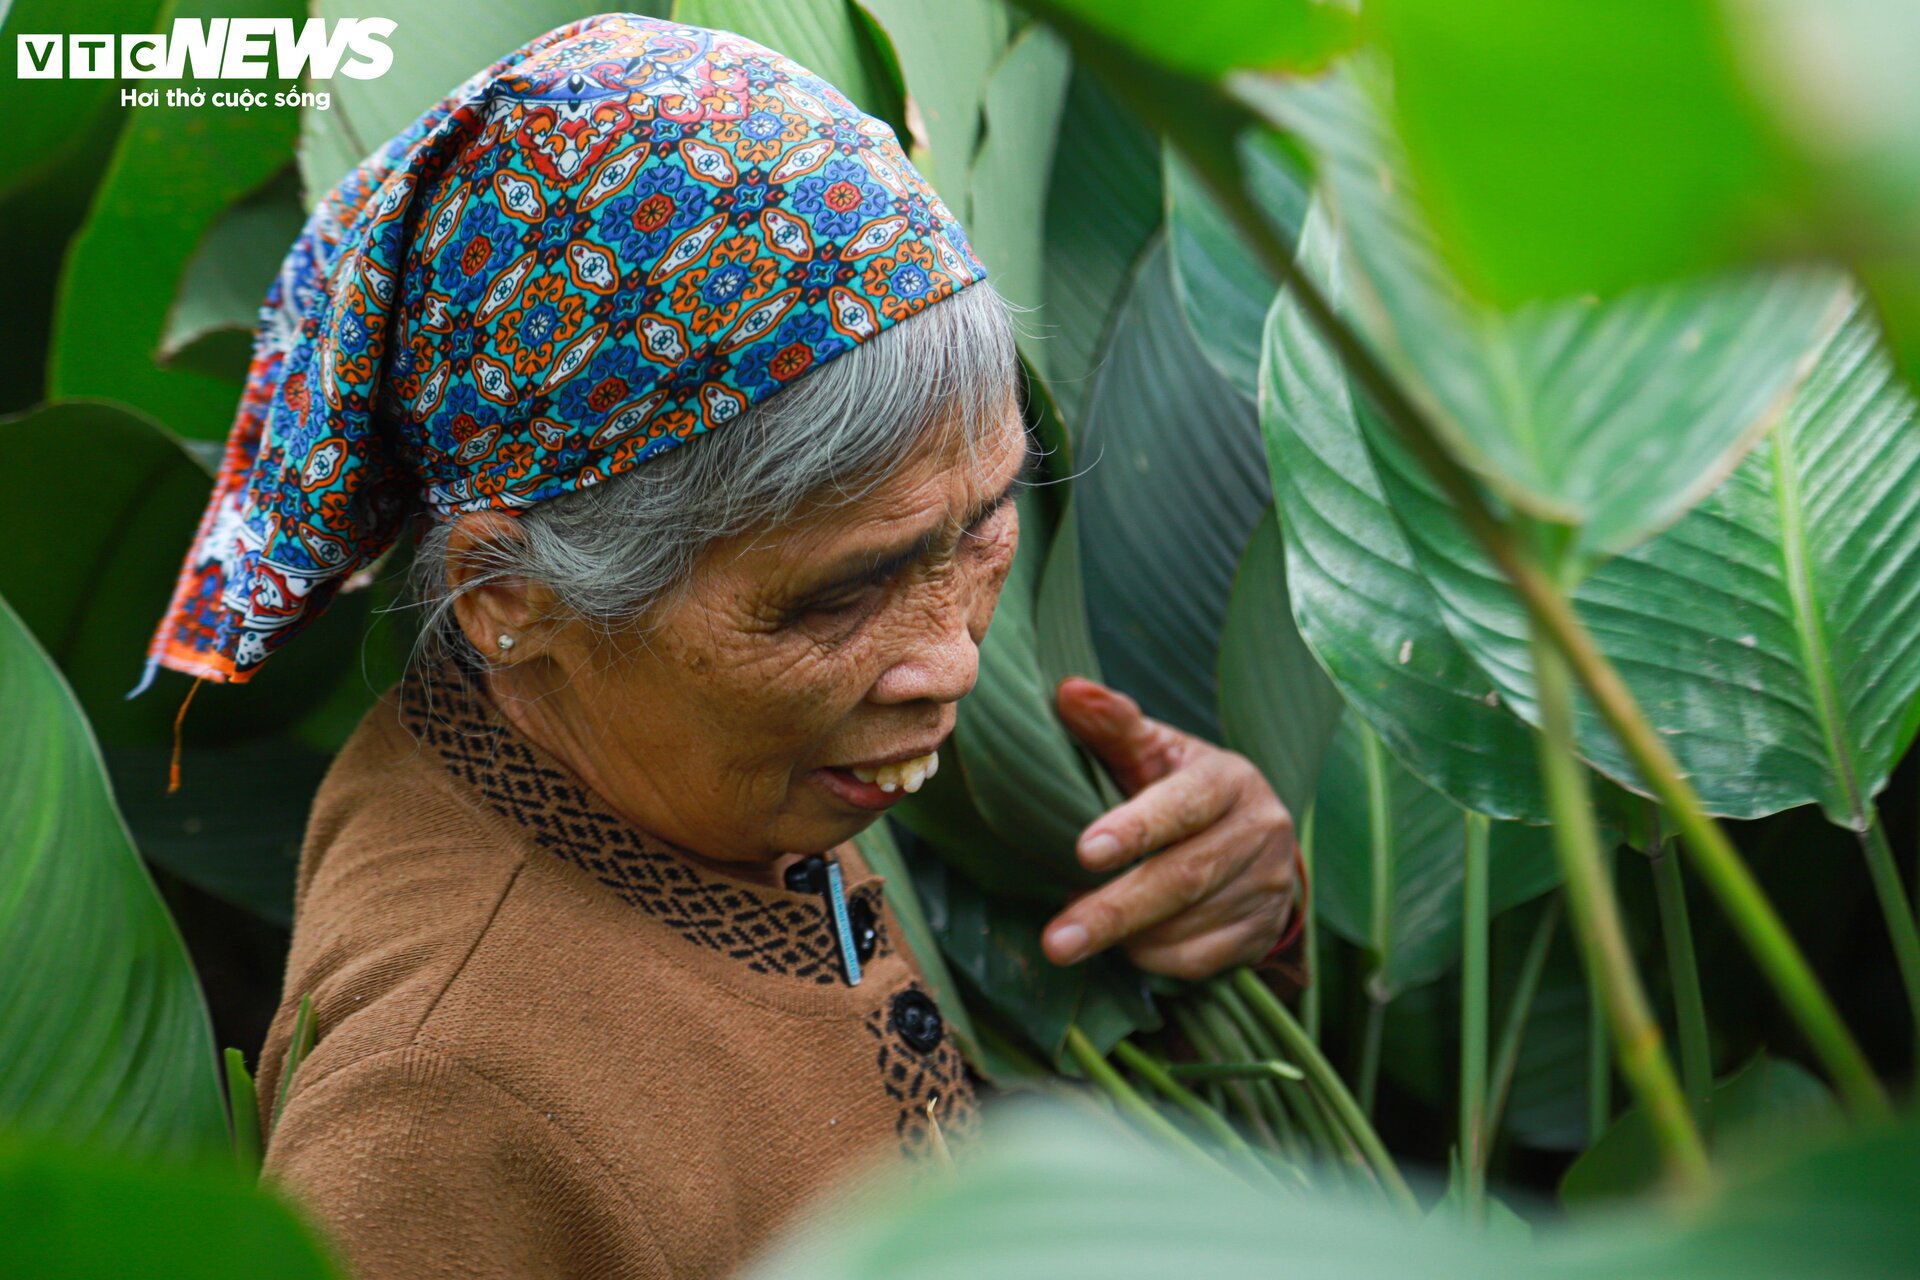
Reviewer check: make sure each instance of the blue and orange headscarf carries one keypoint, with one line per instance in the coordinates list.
(618, 237)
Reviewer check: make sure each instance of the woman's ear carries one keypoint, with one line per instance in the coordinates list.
(504, 618)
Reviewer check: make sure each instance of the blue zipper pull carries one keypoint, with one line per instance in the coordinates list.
(815, 874)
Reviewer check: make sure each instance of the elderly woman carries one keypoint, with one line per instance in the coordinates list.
(602, 986)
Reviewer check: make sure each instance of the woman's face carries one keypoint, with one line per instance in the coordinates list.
(841, 639)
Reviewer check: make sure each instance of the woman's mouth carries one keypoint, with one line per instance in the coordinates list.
(882, 787)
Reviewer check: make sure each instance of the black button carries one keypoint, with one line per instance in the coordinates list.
(866, 929)
(916, 1019)
(809, 875)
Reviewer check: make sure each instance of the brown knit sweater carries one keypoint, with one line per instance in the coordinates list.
(551, 1046)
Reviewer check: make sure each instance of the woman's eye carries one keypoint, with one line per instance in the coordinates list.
(978, 527)
(837, 607)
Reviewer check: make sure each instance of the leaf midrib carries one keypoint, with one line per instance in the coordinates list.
(1808, 622)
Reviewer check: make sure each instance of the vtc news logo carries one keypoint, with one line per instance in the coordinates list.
(216, 48)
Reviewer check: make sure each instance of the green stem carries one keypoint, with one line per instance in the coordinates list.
(1683, 970)
(1298, 1102)
(1310, 997)
(1599, 1066)
(1144, 1066)
(1759, 925)
(1506, 1059)
(1296, 1045)
(1115, 1086)
(1207, 1072)
(1899, 913)
(1596, 915)
(1373, 1032)
(1473, 1017)
(244, 1104)
(1211, 1033)
(299, 1044)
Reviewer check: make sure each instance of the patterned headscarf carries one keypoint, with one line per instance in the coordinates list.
(619, 236)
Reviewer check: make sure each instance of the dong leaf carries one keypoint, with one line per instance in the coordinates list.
(93, 595)
(1358, 594)
(210, 327)
(1388, 862)
(1570, 148)
(1767, 1100)
(1103, 206)
(946, 65)
(1773, 635)
(1613, 417)
(1277, 706)
(1024, 99)
(174, 170)
(1052, 1185)
(1225, 289)
(104, 1035)
(992, 943)
(1207, 38)
(76, 1213)
(1170, 488)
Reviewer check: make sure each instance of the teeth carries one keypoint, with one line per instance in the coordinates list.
(908, 774)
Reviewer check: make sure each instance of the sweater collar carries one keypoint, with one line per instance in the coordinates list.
(769, 930)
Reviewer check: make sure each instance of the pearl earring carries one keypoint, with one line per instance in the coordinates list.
(505, 642)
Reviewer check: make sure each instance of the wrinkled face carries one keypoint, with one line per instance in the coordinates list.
(841, 639)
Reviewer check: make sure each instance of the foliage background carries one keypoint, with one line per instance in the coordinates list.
(139, 241)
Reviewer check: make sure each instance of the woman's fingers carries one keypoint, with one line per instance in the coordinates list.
(1181, 804)
(1238, 925)
(1158, 889)
(1137, 750)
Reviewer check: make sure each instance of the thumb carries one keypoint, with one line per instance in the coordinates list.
(1136, 750)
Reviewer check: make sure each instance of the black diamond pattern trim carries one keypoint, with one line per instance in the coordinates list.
(914, 1079)
(770, 934)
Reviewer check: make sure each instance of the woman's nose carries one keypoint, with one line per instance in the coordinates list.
(940, 661)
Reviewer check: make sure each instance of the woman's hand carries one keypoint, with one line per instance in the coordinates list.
(1221, 889)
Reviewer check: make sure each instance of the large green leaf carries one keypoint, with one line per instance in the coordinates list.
(1025, 97)
(1276, 704)
(1206, 38)
(174, 170)
(1225, 287)
(85, 1214)
(1063, 635)
(1358, 594)
(1767, 1101)
(1611, 417)
(1547, 1105)
(1570, 148)
(93, 595)
(1103, 206)
(210, 327)
(946, 63)
(1170, 488)
(104, 1036)
(1388, 862)
(241, 844)
(50, 118)
(1773, 635)
(1055, 1193)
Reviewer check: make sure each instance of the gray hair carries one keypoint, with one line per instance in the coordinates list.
(612, 552)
